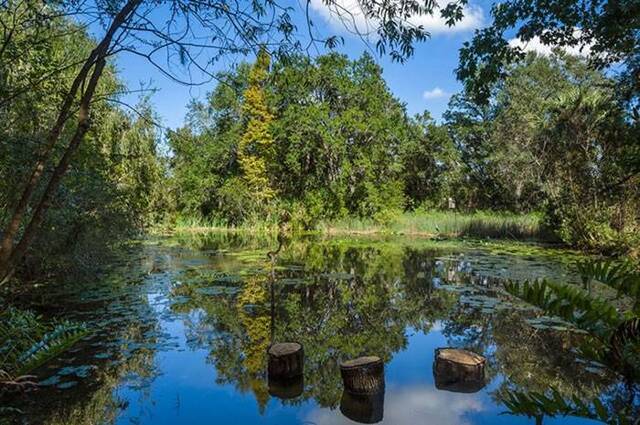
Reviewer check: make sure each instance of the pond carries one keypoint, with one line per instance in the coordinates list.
(180, 331)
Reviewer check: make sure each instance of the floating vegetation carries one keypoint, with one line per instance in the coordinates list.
(554, 323)
(80, 371)
(217, 290)
(66, 385)
(52, 380)
(485, 303)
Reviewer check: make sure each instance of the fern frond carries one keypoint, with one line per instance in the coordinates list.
(63, 336)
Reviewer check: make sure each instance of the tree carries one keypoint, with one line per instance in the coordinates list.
(255, 148)
(174, 30)
(606, 30)
(430, 164)
(114, 186)
(552, 137)
(324, 136)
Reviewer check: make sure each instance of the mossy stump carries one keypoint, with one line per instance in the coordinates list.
(286, 361)
(458, 370)
(363, 408)
(364, 375)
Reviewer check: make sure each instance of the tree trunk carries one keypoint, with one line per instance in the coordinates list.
(83, 126)
(10, 254)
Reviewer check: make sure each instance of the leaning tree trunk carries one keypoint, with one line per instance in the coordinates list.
(83, 126)
(10, 253)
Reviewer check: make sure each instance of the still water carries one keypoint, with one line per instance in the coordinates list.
(181, 328)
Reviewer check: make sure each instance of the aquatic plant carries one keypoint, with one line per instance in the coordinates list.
(53, 343)
(596, 316)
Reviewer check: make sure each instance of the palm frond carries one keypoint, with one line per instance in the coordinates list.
(621, 276)
(552, 403)
(572, 304)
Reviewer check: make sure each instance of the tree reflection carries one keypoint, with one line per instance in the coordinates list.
(342, 300)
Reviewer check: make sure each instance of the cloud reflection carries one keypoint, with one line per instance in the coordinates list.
(408, 406)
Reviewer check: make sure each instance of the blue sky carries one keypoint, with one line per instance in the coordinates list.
(424, 82)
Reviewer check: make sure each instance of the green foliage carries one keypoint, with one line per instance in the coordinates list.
(27, 342)
(480, 224)
(114, 188)
(63, 336)
(606, 32)
(337, 134)
(430, 164)
(622, 276)
(572, 304)
(611, 340)
(612, 328)
(590, 125)
(554, 138)
(537, 405)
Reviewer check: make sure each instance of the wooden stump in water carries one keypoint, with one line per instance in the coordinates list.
(363, 408)
(364, 375)
(458, 371)
(286, 388)
(286, 360)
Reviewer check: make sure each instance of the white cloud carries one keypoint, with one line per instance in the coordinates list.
(348, 16)
(536, 45)
(435, 24)
(404, 406)
(435, 93)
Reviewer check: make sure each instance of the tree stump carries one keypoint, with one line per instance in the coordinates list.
(458, 371)
(364, 375)
(286, 360)
(286, 388)
(363, 408)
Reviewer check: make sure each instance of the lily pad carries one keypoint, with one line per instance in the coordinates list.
(67, 385)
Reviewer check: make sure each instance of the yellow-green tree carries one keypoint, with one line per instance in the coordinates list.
(256, 142)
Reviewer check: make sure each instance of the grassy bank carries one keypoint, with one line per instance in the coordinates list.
(427, 224)
(446, 224)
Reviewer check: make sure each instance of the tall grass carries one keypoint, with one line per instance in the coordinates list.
(197, 224)
(447, 224)
(423, 223)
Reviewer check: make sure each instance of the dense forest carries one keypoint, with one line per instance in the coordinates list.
(325, 139)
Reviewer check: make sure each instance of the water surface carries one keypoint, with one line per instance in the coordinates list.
(181, 329)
